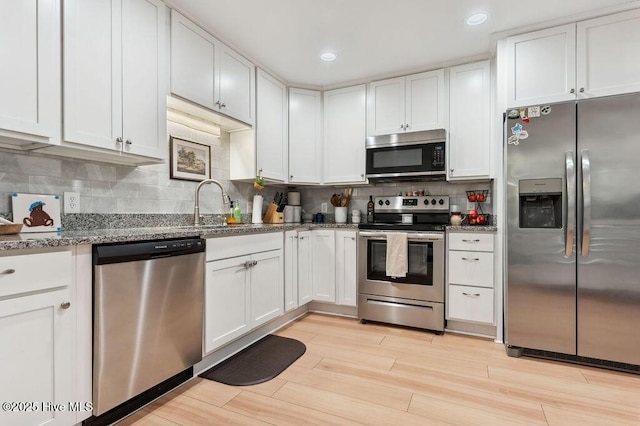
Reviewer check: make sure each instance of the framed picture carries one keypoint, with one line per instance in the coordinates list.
(38, 213)
(189, 160)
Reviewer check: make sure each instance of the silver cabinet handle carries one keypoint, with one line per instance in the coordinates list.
(362, 175)
(217, 103)
(119, 139)
(8, 271)
(406, 126)
(586, 202)
(572, 91)
(582, 90)
(254, 263)
(571, 203)
(470, 241)
(471, 294)
(129, 142)
(402, 126)
(291, 177)
(450, 170)
(65, 305)
(246, 264)
(471, 259)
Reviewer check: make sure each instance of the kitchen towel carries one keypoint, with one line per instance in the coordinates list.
(397, 250)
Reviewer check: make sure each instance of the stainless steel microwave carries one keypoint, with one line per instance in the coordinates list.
(407, 156)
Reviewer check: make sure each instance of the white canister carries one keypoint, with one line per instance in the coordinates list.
(288, 214)
(341, 215)
(297, 214)
(293, 198)
(355, 216)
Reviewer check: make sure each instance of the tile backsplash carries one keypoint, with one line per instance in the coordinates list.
(109, 191)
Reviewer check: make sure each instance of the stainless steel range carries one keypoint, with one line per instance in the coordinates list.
(416, 299)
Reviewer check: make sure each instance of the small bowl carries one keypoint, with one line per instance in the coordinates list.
(7, 229)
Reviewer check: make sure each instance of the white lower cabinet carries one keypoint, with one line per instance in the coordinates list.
(290, 270)
(323, 250)
(334, 266)
(470, 281)
(37, 343)
(305, 263)
(244, 286)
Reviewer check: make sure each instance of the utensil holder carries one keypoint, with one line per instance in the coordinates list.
(273, 216)
(341, 214)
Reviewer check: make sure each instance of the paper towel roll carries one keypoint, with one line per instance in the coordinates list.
(256, 214)
(293, 198)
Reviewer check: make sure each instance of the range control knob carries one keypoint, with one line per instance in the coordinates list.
(380, 202)
(426, 202)
(433, 201)
(441, 202)
(387, 202)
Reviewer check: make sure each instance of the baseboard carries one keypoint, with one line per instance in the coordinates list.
(332, 308)
(471, 329)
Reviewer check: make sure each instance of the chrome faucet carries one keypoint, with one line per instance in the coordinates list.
(196, 208)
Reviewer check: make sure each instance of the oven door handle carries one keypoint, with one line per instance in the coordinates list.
(411, 236)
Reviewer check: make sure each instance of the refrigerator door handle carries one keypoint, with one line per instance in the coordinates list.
(586, 201)
(570, 214)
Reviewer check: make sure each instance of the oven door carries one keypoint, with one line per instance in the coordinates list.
(425, 277)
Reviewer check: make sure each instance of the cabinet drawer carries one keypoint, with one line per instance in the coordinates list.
(28, 272)
(240, 245)
(470, 304)
(471, 268)
(474, 241)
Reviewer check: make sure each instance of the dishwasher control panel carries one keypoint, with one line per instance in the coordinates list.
(144, 250)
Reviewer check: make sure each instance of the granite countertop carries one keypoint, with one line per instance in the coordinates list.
(472, 228)
(101, 236)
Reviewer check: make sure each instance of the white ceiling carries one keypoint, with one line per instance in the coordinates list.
(372, 38)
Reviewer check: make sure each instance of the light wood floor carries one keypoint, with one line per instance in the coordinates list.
(381, 375)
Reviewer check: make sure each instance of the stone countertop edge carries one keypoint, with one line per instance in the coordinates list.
(472, 228)
(105, 236)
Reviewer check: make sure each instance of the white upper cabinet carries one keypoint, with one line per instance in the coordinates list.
(597, 57)
(115, 76)
(207, 72)
(608, 58)
(271, 127)
(541, 66)
(305, 136)
(470, 121)
(30, 75)
(344, 135)
(407, 104)
(235, 85)
(192, 61)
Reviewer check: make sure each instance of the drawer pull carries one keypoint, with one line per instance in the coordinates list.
(471, 294)
(471, 241)
(471, 259)
(65, 305)
(8, 271)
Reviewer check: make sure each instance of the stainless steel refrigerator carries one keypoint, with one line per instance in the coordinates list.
(573, 229)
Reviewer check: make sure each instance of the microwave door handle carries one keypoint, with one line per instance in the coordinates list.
(586, 202)
(570, 213)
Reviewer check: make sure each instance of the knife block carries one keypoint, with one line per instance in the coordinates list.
(272, 216)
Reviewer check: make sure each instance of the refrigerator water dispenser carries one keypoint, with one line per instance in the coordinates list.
(540, 203)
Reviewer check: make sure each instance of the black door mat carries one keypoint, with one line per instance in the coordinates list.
(260, 362)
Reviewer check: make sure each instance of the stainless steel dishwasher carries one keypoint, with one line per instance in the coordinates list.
(148, 313)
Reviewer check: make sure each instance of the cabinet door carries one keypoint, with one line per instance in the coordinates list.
(36, 348)
(290, 270)
(30, 74)
(235, 85)
(93, 73)
(192, 61)
(541, 66)
(271, 127)
(470, 304)
(227, 303)
(305, 276)
(305, 136)
(470, 121)
(144, 91)
(324, 265)
(346, 270)
(385, 111)
(425, 101)
(267, 287)
(608, 55)
(344, 135)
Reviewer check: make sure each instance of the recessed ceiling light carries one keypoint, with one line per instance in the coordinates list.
(328, 56)
(477, 18)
